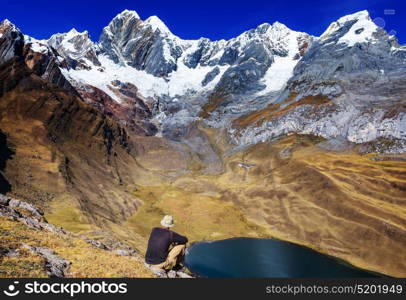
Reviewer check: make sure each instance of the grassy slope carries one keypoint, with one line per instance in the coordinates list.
(87, 261)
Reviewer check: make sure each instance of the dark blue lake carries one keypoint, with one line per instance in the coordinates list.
(247, 257)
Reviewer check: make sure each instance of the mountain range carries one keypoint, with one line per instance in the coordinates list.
(271, 133)
(179, 81)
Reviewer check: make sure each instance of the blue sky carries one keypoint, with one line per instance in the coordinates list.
(215, 19)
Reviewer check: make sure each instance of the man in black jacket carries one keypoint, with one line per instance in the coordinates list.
(165, 247)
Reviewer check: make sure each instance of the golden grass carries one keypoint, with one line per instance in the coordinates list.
(65, 213)
(87, 261)
(341, 204)
(273, 111)
(212, 104)
(198, 215)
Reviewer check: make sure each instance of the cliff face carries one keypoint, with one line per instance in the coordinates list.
(51, 126)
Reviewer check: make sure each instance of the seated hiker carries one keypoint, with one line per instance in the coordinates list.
(165, 247)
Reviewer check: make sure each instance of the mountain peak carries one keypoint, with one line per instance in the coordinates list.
(67, 36)
(351, 29)
(123, 20)
(6, 25)
(127, 14)
(275, 30)
(157, 23)
(73, 32)
(279, 25)
(6, 22)
(360, 15)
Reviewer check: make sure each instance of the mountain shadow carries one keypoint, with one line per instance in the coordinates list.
(5, 154)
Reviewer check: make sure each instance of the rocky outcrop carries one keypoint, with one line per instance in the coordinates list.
(32, 216)
(331, 121)
(76, 48)
(161, 273)
(14, 209)
(11, 41)
(45, 64)
(54, 265)
(146, 45)
(40, 59)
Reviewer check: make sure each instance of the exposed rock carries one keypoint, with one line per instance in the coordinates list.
(286, 152)
(146, 45)
(161, 273)
(330, 122)
(122, 252)
(9, 252)
(10, 213)
(210, 76)
(388, 158)
(45, 63)
(76, 47)
(336, 145)
(129, 44)
(384, 145)
(4, 200)
(14, 203)
(9, 207)
(11, 41)
(55, 265)
(245, 166)
(96, 244)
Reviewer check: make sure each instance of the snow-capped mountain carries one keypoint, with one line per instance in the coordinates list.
(9, 32)
(139, 67)
(361, 70)
(160, 64)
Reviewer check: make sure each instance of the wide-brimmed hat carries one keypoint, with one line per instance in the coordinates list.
(167, 221)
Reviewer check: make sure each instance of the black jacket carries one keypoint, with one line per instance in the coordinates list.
(158, 244)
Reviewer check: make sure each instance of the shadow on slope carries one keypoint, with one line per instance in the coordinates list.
(5, 154)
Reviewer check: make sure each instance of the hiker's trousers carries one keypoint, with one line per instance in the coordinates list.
(174, 254)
